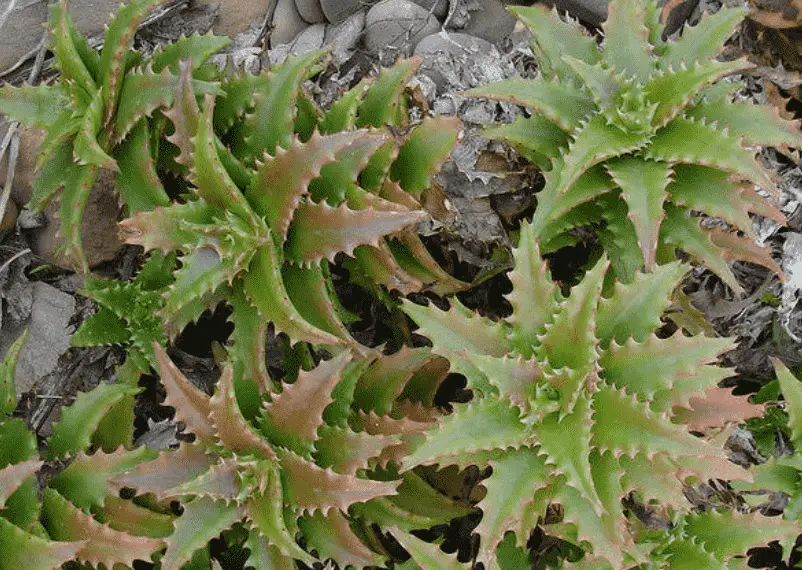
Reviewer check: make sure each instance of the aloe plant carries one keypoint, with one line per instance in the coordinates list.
(578, 401)
(269, 209)
(94, 114)
(638, 133)
(316, 448)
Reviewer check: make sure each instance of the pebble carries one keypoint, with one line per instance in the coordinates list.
(343, 37)
(491, 21)
(287, 23)
(590, 11)
(307, 41)
(338, 10)
(310, 11)
(447, 56)
(440, 7)
(394, 27)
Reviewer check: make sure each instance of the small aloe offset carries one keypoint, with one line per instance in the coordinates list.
(638, 133)
(305, 464)
(578, 401)
(287, 191)
(95, 114)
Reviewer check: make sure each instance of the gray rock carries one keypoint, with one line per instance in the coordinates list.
(48, 335)
(440, 10)
(491, 21)
(310, 11)
(447, 55)
(306, 42)
(287, 23)
(394, 27)
(343, 37)
(338, 10)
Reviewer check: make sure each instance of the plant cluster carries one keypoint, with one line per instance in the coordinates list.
(584, 403)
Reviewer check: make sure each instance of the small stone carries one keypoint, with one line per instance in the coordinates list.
(590, 11)
(25, 172)
(48, 335)
(491, 22)
(287, 23)
(338, 10)
(236, 16)
(440, 10)
(343, 37)
(310, 11)
(394, 27)
(309, 40)
(447, 55)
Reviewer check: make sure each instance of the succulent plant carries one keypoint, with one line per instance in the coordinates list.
(638, 134)
(269, 209)
(98, 100)
(579, 401)
(74, 520)
(299, 465)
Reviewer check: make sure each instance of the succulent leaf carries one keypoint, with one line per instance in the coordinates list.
(203, 519)
(23, 550)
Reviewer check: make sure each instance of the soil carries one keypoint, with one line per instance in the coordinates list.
(482, 195)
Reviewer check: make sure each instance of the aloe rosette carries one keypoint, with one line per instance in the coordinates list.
(325, 474)
(636, 134)
(579, 401)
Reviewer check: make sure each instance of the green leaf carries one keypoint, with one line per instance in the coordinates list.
(643, 187)
(196, 48)
(68, 58)
(266, 510)
(80, 420)
(792, 392)
(561, 103)
(695, 142)
(626, 39)
(333, 538)
(479, 426)
(535, 137)
(424, 152)
(8, 394)
(138, 183)
(517, 475)
(265, 289)
(78, 183)
(757, 124)
(704, 40)
(554, 38)
(18, 549)
(672, 89)
(36, 106)
(382, 103)
(270, 125)
(202, 520)
(52, 176)
(426, 555)
(634, 310)
(281, 181)
(117, 41)
(84, 482)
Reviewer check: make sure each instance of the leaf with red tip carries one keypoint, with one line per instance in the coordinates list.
(191, 404)
(311, 392)
(383, 103)
(380, 385)
(78, 183)
(12, 476)
(333, 538)
(185, 114)
(346, 451)
(281, 181)
(170, 469)
(230, 428)
(106, 546)
(426, 555)
(717, 409)
(312, 488)
(127, 516)
(734, 247)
